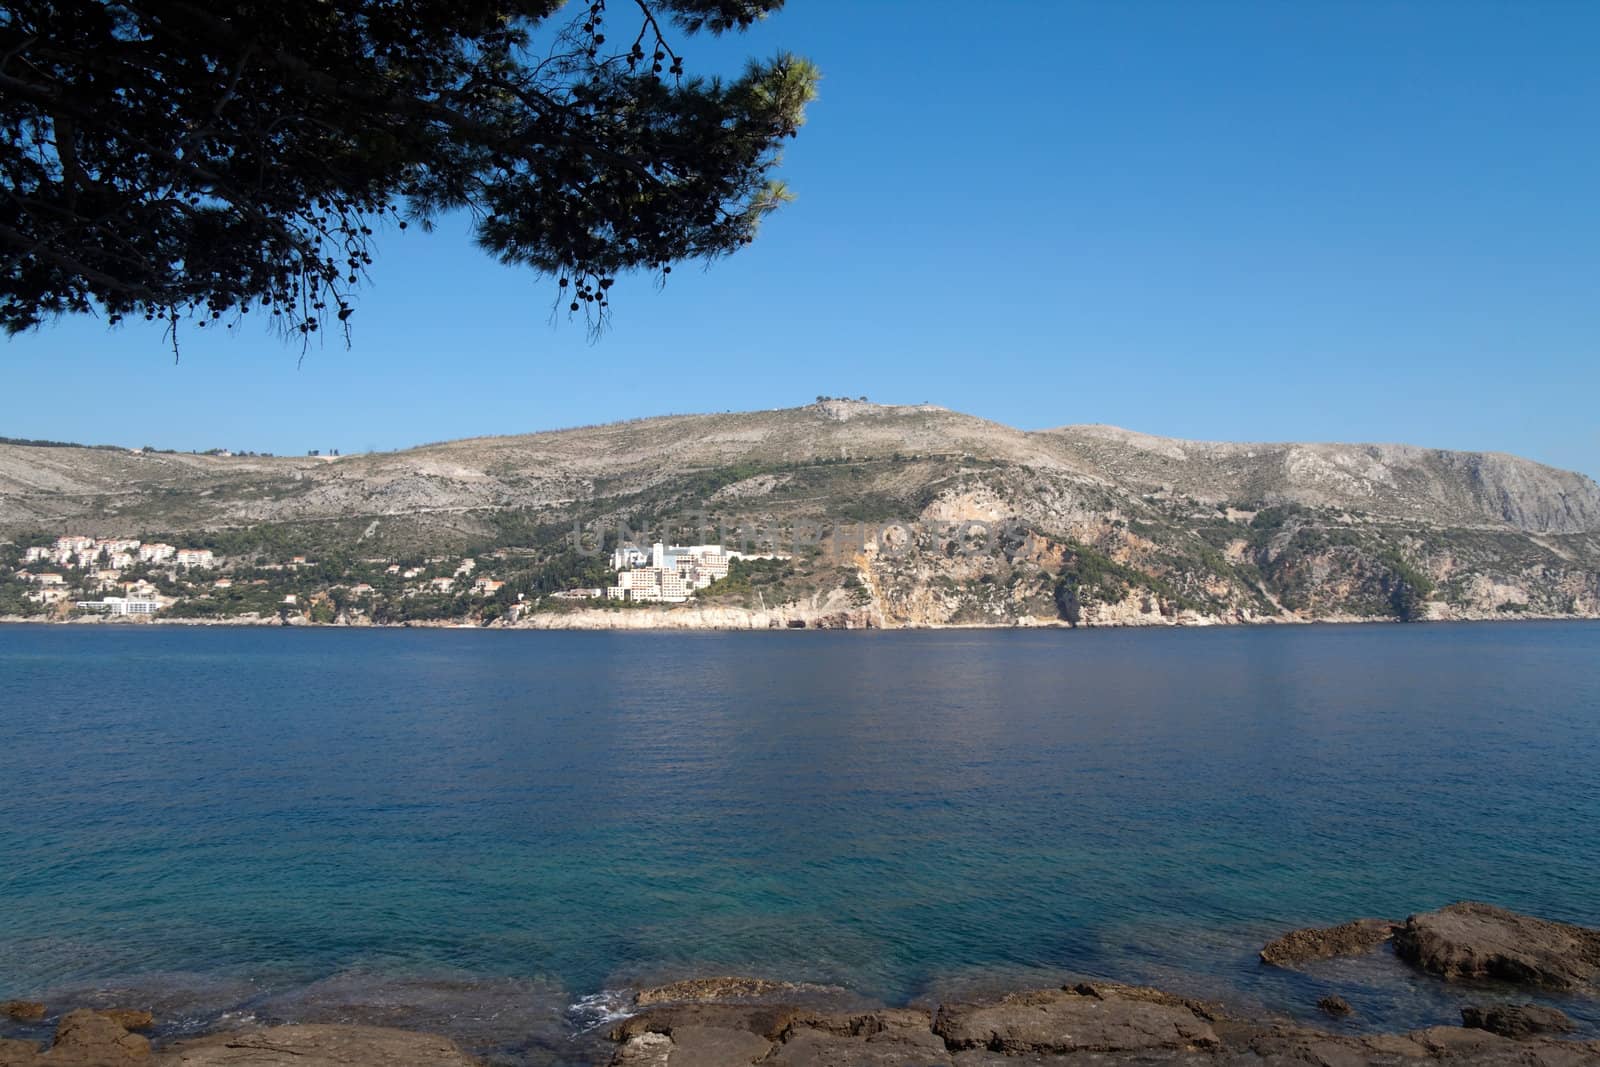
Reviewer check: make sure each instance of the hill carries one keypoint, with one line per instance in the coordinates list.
(1086, 523)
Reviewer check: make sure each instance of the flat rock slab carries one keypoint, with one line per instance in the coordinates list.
(1516, 1020)
(129, 1018)
(1063, 1021)
(90, 1038)
(317, 1046)
(693, 1046)
(707, 1046)
(710, 990)
(891, 1037)
(26, 1011)
(15, 1053)
(814, 1048)
(1353, 938)
(1470, 940)
(764, 1020)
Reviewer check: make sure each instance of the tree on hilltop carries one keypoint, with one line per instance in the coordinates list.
(174, 159)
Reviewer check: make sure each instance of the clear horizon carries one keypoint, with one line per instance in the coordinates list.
(1248, 222)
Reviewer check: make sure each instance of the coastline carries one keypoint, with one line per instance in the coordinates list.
(725, 620)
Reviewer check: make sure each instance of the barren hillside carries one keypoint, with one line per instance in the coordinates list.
(1100, 523)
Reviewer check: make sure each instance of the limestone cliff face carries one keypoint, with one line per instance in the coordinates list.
(914, 516)
(835, 611)
(1394, 481)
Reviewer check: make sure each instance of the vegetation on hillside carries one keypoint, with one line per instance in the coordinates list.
(907, 515)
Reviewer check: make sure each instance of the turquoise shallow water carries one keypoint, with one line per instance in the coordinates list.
(273, 821)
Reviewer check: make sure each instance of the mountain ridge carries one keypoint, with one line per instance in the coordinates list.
(1317, 470)
(1103, 524)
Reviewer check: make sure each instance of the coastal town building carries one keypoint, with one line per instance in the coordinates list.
(115, 553)
(673, 587)
(117, 605)
(487, 586)
(673, 573)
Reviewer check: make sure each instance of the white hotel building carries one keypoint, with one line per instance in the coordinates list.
(116, 605)
(673, 574)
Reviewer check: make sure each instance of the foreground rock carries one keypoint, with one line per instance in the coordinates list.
(317, 1046)
(129, 1018)
(1066, 1020)
(1516, 1020)
(1336, 1006)
(1104, 1024)
(83, 1039)
(708, 990)
(25, 1011)
(1470, 940)
(1319, 943)
(93, 1039)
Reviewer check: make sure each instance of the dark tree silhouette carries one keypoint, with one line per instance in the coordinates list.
(175, 159)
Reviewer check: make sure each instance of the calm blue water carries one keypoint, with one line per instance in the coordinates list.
(273, 821)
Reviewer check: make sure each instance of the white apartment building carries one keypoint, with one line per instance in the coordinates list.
(117, 605)
(649, 583)
(37, 553)
(642, 583)
(156, 553)
(195, 557)
(673, 573)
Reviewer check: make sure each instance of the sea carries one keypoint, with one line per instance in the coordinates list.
(501, 834)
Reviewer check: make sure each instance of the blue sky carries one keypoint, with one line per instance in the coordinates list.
(1370, 221)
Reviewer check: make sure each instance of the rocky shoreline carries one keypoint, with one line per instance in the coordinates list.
(1500, 958)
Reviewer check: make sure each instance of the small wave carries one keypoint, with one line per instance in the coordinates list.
(590, 1013)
